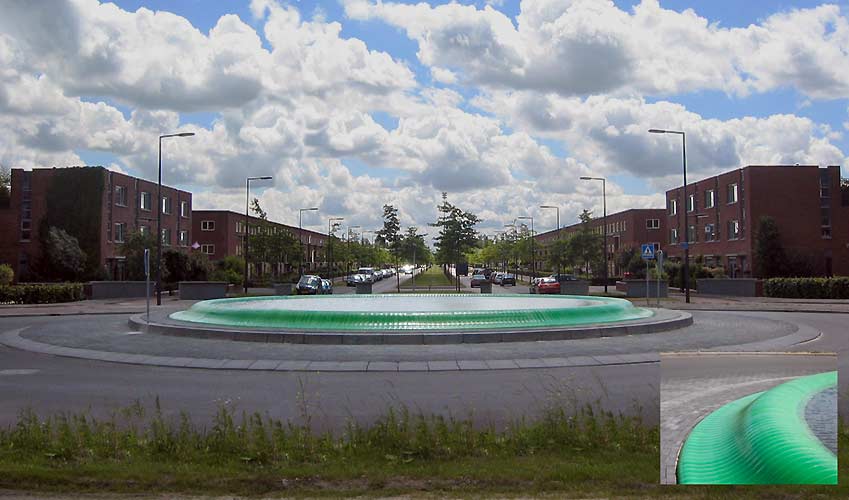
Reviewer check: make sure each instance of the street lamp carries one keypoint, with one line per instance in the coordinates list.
(604, 220)
(533, 247)
(558, 231)
(159, 217)
(331, 264)
(247, 233)
(686, 243)
(507, 266)
(301, 237)
(348, 240)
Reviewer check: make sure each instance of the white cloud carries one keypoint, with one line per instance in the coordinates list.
(579, 47)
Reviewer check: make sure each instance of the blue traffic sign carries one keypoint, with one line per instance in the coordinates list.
(647, 251)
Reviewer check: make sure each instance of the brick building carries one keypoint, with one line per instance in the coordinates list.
(808, 204)
(97, 206)
(625, 230)
(220, 233)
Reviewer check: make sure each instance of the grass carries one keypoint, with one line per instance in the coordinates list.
(431, 277)
(585, 453)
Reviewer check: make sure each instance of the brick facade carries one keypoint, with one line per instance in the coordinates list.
(220, 233)
(120, 213)
(807, 203)
(625, 230)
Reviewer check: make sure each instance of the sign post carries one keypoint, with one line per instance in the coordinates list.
(647, 252)
(659, 273)
(147, 284)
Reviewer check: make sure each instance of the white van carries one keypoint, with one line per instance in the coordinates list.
(368, 272)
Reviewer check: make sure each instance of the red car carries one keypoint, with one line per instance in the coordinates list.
(547, 285)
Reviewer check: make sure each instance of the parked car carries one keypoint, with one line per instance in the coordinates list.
(496, 278)
(308, 285)
(368, 272)
(326, 287)
(508, 279)
(546, 285)
(354, 278)
(477, 279)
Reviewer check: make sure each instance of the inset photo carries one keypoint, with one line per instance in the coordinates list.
(748, 418)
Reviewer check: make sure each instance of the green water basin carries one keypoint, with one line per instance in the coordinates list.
(412, 312)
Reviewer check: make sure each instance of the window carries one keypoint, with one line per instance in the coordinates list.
(207, 225)
(144, 201)
(26, 210)
(691, 202)
(166, 236)
(652, 223)
(710, 198)
(826, 233)
(184, 209)
(691, 234)
(207, 249)
(184, 238)
(121, 196)
(673, 207)
(825, 217)
(673, 235)
(732, 193)
(733, 230)
(166, 205)
(710, 232)
(144, 230)
(120, 232)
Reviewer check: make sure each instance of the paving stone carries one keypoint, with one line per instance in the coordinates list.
(530, 363)
(292, 365)
(237, 364)
(383, 366)
(436, 366)
(412, 366)
(472, 365)
(264, 364)
(501, 364)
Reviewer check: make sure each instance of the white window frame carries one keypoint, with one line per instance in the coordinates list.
(166, 241)
(674, 238)
(710, 196)
(691, 202)
(145, 196)
(732, 188)
(673, 206)
(120, 201)
(144, 230)
(183, 242)
(207, 225)
(652, 223)
(207, 249)
(166, 205)
(120, 232)
(733, 235)
(184, 209)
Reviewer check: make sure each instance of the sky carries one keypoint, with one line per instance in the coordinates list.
(353, 104)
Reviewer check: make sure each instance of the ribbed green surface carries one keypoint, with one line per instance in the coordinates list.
(364, 313)
(761, 439)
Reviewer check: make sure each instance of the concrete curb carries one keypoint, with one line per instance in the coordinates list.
(670, 320)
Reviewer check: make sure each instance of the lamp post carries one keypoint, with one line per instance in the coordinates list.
(686, 243)
(512, 226)
(604, 220)
(301, 236)
(348, 239)
(159, 217)
(330, 263)
(558, 232)
(533, 246)
(247, 233)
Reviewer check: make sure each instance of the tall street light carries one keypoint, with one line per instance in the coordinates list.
(513, 227)
(686, 243)
(301, 236)
(348, 263)
(558, 232)
(604, 220)
(329, 252)
(247, 204)
(533, 247)
(159, 217)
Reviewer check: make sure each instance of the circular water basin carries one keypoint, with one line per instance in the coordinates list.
(412, 312)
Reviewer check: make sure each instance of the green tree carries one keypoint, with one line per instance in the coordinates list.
(133, 251)
(229, 269)
(585, 246)
(630, 260)
(559, 256)
(5, 186)
(270, 243)
(457, 233)
(7, 274)
(413, 247)
(390, 236)
(771, 260)
(64, 259)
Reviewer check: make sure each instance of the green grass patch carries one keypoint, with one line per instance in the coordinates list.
(432, 277)
(587, 453)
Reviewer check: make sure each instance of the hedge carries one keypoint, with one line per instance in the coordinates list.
(41, 294)
(808, 288)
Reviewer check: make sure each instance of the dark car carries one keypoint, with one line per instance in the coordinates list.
(508, 279)
(477, 279)
(308, 285)
(326, 287)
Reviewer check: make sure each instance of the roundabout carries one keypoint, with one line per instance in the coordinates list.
(412, 319)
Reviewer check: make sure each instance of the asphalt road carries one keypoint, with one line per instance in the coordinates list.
(50, 384)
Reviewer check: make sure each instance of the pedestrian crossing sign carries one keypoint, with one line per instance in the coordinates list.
(648, 251)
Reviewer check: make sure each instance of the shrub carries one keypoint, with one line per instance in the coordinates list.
(41, 294)
(7, 275)
(808, 288)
